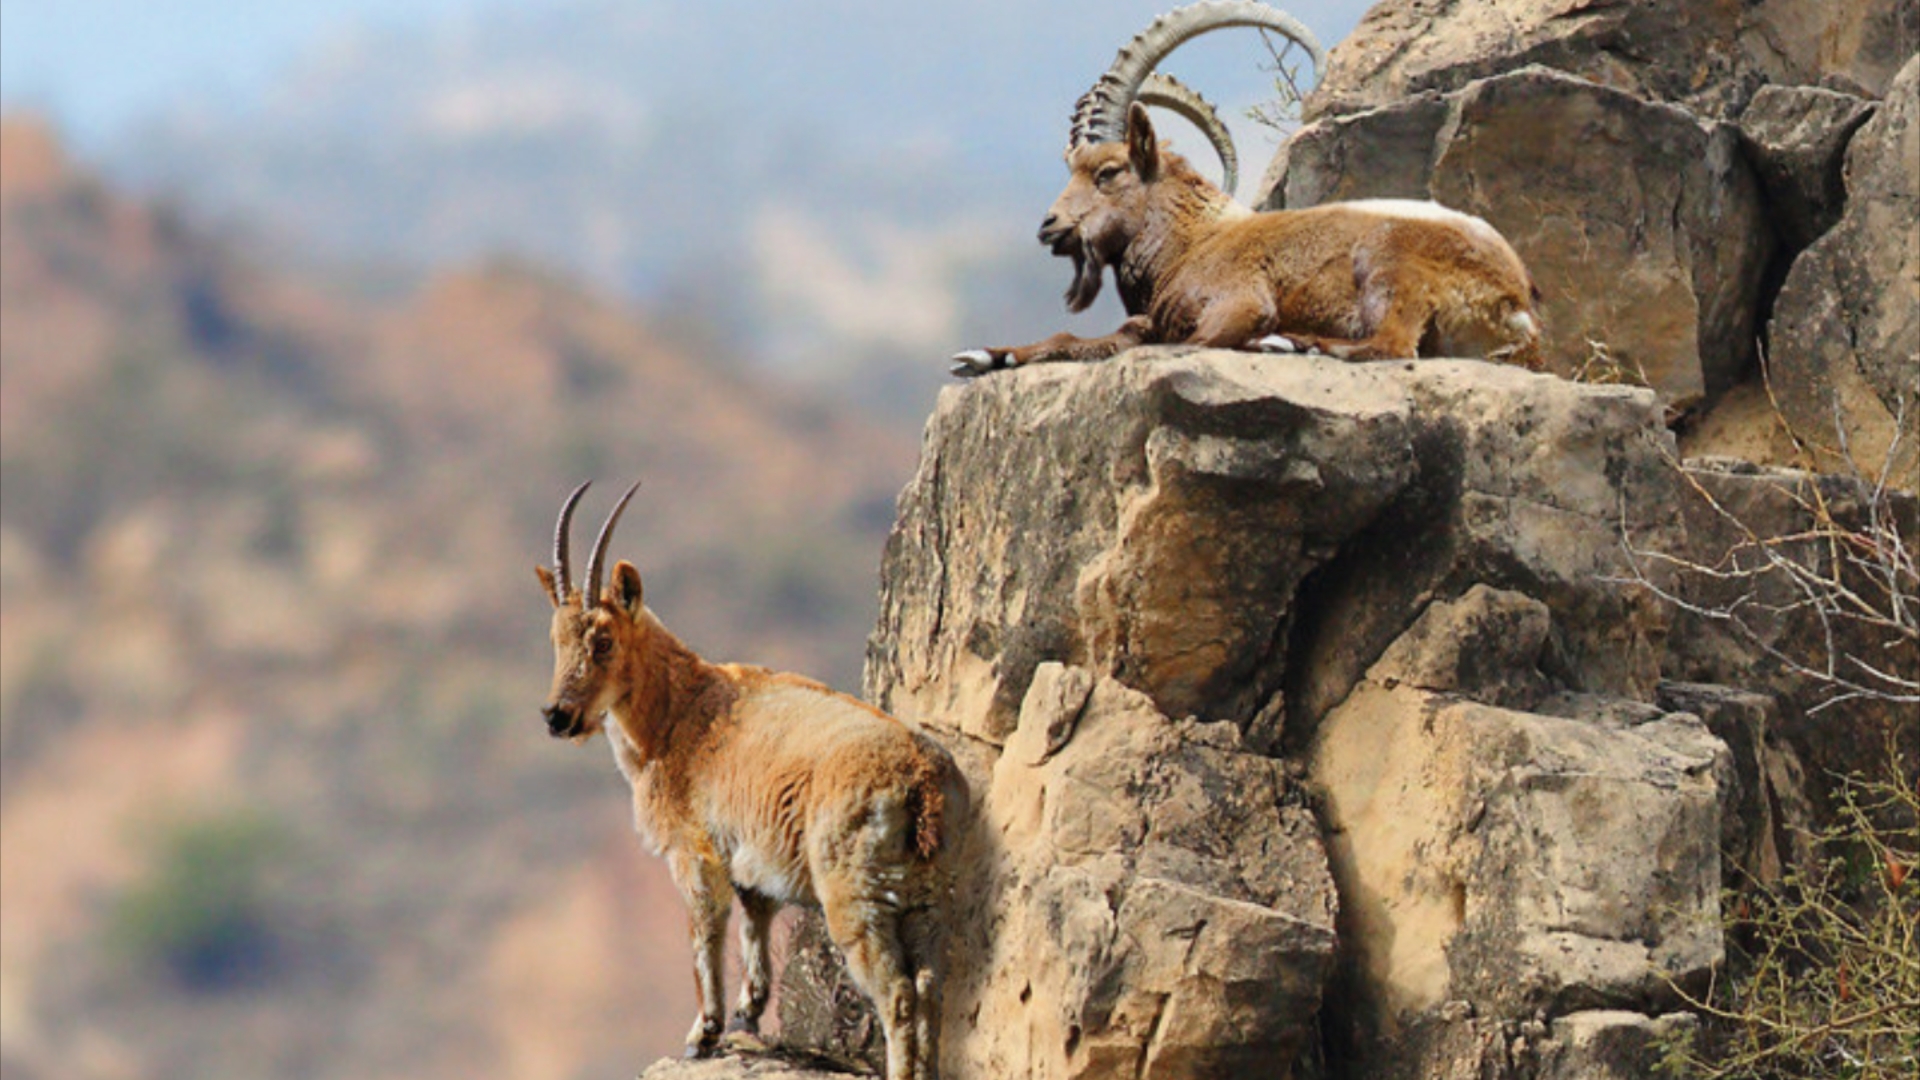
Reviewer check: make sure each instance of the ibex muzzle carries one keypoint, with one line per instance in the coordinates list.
(562, 723)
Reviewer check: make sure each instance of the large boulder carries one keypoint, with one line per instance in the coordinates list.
(1521, 863)
(1707, 54)
(1797, 137)
(1145, 899)
(1521, 487)
(1156, 519)
(1148, 519)
(1160, 906)
(1844, 343)
(1644, 228)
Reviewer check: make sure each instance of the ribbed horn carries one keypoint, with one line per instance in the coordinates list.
(599, 558)
(1101, 113)
(1167, 92)
(562, 565)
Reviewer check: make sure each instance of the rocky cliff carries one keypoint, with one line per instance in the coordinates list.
(1305, 711)
(1318, 726)
(1379, 721)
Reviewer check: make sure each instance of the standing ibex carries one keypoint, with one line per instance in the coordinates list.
(770, 787)
(1363, 280)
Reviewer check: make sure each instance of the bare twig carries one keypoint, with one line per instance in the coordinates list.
(1283, 112)
(1846, 571)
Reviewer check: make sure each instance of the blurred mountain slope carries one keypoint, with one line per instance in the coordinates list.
(265, 550)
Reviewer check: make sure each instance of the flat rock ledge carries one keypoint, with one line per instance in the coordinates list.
(745, 1065)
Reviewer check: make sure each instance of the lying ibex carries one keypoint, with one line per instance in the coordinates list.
(769, 787)
(1362, 280)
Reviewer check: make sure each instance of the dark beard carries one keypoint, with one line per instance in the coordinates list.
(1087, 275)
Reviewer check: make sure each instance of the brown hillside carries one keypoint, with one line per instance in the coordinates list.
(266, 555)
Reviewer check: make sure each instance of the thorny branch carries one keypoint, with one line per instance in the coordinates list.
(1831, 971)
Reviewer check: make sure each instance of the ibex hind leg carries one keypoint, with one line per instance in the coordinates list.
(1236, 321)
(924, 933)
(868, 935)
(1398, 333)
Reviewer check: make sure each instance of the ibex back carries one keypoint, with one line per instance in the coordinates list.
(769, 787)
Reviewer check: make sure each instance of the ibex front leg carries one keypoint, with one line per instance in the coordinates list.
(1059, 347)
(703, 885)
(755, 955)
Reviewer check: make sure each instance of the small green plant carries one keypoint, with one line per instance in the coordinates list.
(1823, 972)
(206, 913)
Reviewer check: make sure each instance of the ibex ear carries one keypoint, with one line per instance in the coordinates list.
(546, 582)
(626, 587)
(1143, 148)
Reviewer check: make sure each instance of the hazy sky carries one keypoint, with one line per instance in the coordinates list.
(97, 64)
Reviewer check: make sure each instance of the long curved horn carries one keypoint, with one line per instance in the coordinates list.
(599, 557)
(1167, 92)
(1101, 113)
(562, 565)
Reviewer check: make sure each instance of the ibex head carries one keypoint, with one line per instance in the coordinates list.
(1104, 204)
(594, 633)
(1094, 218)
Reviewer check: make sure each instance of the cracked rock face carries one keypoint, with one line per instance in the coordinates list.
(1160, 904)
(1155, 518)
(1528, 863)
(1845, 335)
(1148, 899)
(1147, 520)
(1709, 56)
(1780, 641)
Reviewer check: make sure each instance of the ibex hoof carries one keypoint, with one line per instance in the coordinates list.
(1276, 343)
(704, 1039)
(741, 1022)
(976, 362)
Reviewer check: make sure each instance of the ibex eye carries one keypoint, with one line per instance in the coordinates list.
(601, 647)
